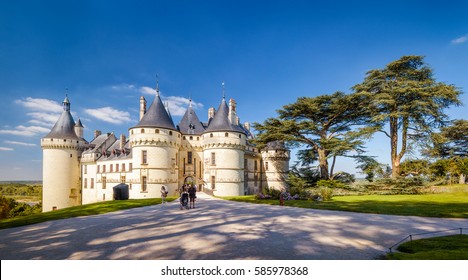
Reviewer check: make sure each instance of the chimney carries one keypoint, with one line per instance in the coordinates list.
(97, 133)
(142, 107)
(247, 126)
(123, 140)
(232, 112)
(211, 113)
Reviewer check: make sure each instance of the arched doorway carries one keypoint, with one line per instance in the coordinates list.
(189, 180)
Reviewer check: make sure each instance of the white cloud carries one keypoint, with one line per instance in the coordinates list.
(40, 104)
(43, 119)
(22, 130)
(6, 149)
(178, 105)
(460, 40)
(123, 87)
(20, 143)
(109, 114)
(147, 90)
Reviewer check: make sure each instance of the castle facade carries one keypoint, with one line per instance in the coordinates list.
(217, 156)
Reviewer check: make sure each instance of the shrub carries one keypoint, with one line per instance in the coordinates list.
(330, 184)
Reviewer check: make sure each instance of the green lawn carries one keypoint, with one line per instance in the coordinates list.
(82, 210)
(442, 205)
(453, 247)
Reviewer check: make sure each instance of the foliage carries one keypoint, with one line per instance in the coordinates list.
(451, 141)
(11, 208)
(401, 185)
(20, 189)
(405, 97)
(344, 177)
(330, 184)
(372, 168)
(453, 247)
(326, 126)
(415, 167)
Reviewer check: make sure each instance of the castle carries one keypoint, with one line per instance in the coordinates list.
(217, 156)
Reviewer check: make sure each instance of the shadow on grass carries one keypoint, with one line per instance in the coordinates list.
(402, 206)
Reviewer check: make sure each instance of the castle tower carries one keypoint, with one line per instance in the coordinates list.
(224, 144)
(191, 152)
(155, 144)
(62, 149)
(275, 158)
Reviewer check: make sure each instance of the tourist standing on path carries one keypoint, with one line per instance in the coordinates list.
(192, 195)
(164, 193)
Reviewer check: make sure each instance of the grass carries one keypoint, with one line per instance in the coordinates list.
(442, 205)
(82, 210)
(452, 247)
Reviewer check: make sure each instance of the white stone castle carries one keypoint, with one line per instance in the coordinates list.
(217, 156)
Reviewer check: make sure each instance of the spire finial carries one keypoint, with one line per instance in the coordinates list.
(157, 84)
(66, 102)
(224, 95)
(190, 100)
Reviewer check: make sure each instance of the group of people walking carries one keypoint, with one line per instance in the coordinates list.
(187, 192)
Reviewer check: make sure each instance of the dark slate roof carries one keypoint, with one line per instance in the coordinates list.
(275, 145)
(220, 121)
(190, 123)
(156, 116)
(64, 128)
(78, 123)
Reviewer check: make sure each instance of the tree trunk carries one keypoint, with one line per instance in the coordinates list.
(394, 147)
(462, 179)
(324, 175)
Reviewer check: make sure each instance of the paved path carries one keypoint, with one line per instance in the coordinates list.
(216, 229)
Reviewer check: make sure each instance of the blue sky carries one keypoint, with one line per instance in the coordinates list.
(269, 53)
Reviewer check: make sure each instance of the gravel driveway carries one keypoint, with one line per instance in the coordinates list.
(216, 229)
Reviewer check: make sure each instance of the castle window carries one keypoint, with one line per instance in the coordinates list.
(142, 130)
(104, 182)
(256, 180)
(85, 184)
(143, 184)
(98, 168)
(92, 183)
(123, 167)
(226, 134)
(191, 137)
(122, 179)
(189, 157)
(156, 131)
(213, 159)
(111, 168)
(183, 138)
(266, 165)
(117, 167)
(198, 138)
(104, 168)
(144, 157)
(130, 166)
(85, 169)
(240, 136)
(170, 132)
(213, 182)
(211, 135)
(255, 165)
(246, 165)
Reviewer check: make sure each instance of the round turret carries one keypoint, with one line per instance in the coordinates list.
(62, 149)
(155, 144)
(275, 157)
(223, 151)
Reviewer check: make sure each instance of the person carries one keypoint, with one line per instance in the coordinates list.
(164, 193)
(192, 195)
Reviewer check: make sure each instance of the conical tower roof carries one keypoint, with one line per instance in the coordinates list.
(190, 123)
(64, 128)
(156, 116)
(220, 121)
